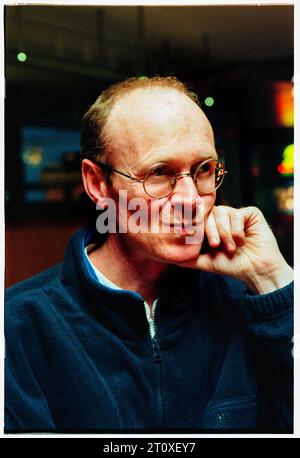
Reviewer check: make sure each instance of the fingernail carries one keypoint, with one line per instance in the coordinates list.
(214, 241)
(230, 246)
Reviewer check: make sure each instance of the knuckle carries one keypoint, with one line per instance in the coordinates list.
(254, 209)
(220, 210)
(221, 214)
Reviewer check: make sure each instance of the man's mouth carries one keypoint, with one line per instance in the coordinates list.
(186, 224)
(183, 227)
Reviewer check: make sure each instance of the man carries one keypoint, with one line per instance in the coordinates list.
(152, 329)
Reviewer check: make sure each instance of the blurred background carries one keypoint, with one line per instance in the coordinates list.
(239, 59)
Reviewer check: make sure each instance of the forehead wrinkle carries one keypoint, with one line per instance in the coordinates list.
(171, 129)
(201, 153)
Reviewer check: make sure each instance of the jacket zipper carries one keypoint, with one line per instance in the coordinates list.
(156, 351)
(153, 335)
(157, 358)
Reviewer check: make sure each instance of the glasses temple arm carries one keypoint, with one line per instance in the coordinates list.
(109, 167)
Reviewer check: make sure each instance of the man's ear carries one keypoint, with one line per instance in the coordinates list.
(93, 180)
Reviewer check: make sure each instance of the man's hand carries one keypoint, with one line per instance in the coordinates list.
(244, 247)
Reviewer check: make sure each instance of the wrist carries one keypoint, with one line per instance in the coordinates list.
(270, 280)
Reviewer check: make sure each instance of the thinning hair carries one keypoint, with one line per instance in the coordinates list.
(94, 124)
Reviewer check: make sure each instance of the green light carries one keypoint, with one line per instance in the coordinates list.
(288, 154)
(22, 57)
(286, 167)
(209, 101)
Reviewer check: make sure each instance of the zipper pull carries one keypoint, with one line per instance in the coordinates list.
(156, 351)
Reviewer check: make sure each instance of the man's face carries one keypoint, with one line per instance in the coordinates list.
(155, 126)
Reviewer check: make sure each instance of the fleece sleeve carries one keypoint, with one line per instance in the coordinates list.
(26, 406)
(25, 403)
(270, 324)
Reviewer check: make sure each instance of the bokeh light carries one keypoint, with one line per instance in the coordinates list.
(22, 57)
(209, 101)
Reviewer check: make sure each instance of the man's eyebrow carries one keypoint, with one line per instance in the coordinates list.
(167, 159)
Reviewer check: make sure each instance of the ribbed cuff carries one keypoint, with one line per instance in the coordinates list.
(266, 306)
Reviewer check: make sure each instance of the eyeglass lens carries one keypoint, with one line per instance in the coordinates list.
(161, 179)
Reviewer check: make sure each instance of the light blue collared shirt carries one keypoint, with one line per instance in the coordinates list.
(103, 280)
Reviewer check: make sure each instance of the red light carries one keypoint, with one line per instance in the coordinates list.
(280, 168)
(284, 103)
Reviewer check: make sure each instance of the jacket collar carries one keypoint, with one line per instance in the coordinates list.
(124, 309)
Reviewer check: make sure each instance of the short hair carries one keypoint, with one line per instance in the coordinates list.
(94, 139)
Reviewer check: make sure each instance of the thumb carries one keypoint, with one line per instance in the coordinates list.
(203, 262)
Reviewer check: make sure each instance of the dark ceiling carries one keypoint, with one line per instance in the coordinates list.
(107, 42)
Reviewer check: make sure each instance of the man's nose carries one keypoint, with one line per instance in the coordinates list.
(185, 186)
(185, 190)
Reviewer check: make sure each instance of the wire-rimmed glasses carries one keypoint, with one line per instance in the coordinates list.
(161, 179)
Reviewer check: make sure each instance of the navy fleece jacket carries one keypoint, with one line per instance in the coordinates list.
(80, 358)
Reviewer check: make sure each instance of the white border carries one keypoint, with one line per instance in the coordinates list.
(297, 198)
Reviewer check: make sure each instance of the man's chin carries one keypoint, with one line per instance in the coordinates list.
(175, 255)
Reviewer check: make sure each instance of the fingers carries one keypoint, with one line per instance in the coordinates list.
(237, 223)
(224, 228)
(225, 225)
(212, 232)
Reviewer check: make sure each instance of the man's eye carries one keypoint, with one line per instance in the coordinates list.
(206, 169)
(161, 171)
